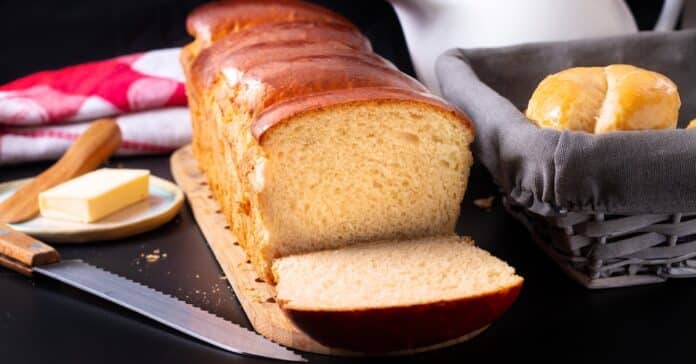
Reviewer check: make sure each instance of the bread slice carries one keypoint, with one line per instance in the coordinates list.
(395, 295)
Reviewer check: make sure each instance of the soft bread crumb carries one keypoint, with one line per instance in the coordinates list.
(152, 258)
(374, 171)
(390, 273)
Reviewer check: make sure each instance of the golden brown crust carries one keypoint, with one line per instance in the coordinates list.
(270, 83)
(291, 50)
(279, 32)
(247, 58)
(280, 112)
(231, 50)
(212, 21)
(383, 330)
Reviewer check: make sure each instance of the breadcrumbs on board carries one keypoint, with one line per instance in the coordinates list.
(484, 203)
(152, 258)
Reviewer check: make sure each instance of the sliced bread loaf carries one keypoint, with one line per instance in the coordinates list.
(311, 141)
(332, 168)
(395, 296)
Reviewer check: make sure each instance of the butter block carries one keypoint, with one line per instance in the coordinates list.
(95, 195)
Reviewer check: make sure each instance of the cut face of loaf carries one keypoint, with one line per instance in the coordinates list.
(335, 168)
(310, 141)
(373, 169)
(359, 298)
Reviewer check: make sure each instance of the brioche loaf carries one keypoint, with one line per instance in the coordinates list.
(310, 140)
(605, 99)
(343, 171)
(355, 299)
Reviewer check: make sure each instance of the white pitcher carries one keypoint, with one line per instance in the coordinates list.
(433, 26)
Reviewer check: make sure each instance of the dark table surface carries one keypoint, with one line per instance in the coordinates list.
(42, 321)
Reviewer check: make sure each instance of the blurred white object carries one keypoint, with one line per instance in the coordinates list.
(433, 26)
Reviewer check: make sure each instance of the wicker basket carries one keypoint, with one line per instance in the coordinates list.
(604, 251)
(604, 229)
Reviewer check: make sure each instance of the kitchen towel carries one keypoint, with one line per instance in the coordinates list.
(41, 114)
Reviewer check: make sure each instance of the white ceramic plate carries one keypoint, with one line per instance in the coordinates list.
(162, 205)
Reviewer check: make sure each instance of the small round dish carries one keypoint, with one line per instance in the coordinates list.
(163, 203)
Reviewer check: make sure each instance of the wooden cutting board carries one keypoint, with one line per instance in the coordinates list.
(256, 296)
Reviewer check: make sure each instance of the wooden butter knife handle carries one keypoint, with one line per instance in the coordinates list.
(94, 146)
(21, 252)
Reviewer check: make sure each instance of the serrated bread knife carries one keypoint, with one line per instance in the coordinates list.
(28, 256)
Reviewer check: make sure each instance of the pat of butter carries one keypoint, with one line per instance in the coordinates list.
(95, 195)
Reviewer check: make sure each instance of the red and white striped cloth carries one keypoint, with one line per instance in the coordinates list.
(41, 114)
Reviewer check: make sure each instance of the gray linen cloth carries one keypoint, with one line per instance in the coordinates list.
(638, 172)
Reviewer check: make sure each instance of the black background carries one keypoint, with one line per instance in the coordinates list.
(45, 322)
(46, 34)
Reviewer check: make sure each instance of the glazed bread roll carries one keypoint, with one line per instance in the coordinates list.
(692, 124)
(605, 99)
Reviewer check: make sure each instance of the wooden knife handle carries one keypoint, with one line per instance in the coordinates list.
(21, 252)
(92, 148)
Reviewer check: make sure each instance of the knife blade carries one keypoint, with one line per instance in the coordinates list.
(27, 255)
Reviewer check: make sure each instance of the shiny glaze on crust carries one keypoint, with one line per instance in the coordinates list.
(280, 112)
(402, 328)
(246, 59)
(227, 52)
(214, 20)
(269, 83)
(276, 33)
(278, 83)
